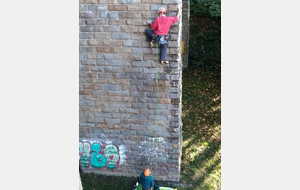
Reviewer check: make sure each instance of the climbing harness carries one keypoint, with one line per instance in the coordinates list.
(163, 40)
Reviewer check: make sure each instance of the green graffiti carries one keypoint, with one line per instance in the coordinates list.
(91, 155)
(85, 149)
(96, 147)
(97, 160)
(80, 147)
(84, 160)
(112, 154)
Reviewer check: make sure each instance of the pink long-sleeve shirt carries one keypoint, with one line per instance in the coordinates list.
(162, 24)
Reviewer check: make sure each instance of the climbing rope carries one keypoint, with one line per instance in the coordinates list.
(157, 104)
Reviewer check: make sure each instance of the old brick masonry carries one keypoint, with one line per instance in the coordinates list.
(118, 90)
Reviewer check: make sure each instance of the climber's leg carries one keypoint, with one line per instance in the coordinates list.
(149, 36)
(163, 52)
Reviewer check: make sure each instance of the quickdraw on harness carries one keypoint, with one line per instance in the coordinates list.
(162, 39)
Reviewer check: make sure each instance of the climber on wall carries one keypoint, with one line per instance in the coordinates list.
(160, 29)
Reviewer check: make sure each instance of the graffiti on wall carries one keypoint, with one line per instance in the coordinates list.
(155, 152)
(152, 152)
(98, 157)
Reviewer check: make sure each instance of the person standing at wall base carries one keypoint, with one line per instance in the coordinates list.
(147, 180)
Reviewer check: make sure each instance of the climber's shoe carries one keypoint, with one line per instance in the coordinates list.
(150, 45)
(163, 62)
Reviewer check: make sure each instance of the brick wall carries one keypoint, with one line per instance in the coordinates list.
(122, 129)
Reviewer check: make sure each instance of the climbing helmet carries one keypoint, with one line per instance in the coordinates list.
(161, 10)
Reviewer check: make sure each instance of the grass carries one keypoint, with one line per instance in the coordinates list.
(94, 181)
(201, 117)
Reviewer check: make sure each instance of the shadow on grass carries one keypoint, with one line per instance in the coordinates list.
(201, 153)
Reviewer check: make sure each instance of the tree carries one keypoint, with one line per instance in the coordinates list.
(205, 34)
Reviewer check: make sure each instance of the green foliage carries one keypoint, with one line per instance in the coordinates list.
(205, 34)
(206, 8)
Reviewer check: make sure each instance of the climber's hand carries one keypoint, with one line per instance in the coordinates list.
(149, 21)
(179, 7)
